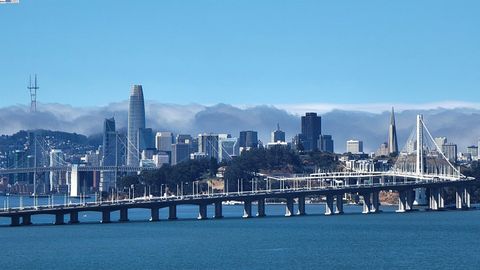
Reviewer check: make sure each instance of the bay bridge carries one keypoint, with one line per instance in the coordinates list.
(421, 169)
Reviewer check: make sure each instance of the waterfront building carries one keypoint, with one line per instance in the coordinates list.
(136, 121)
(384, 150)
(392, 135)
(354, 146)
(277, 135)
(311, 131)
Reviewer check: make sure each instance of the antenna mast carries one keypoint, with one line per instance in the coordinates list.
(33, 94)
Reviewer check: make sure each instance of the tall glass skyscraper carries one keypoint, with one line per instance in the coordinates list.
(311, 131)
(136, 121)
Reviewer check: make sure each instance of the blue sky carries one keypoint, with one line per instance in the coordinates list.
(89, 53)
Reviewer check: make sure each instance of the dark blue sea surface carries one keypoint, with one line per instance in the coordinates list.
(389, 240)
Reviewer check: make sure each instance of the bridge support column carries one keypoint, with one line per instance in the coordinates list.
(155, 216)
(375, 202)
(402, 201)
(261, 208)
(218, 210)
(462, 200)
(172, 212)
(202, 211)
(289, 208)
(59, 219)
(123, 215)
(73, 218)
(339, 204)
(247, 209)
(441, 198)
(367, 203)
(15, 221)
(301, 206)
(329, 205)
(432, 200)
(105, 216)
(410, 199)
(27, 220)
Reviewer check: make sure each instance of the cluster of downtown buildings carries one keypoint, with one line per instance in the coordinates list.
(142, 147)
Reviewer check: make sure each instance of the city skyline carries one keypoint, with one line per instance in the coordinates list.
(311, 58)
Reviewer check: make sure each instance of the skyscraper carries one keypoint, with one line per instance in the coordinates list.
(248, 139)
(208, 145)
(164, 141)
(354, 146)
(136, 121)
(311, 130)
(110, 155)
(392, 135)
(325, 143)
(278, 135)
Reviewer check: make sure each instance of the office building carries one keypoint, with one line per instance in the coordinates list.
(450, 152)
(164, 141)
(277, 135)
(136, 121)
(247, 140)
(145, 139)
(392, 135)
(180, 153)
(354, 146)
(110, 154)
(473, 151)
(208, 145)
(228, 148)
(311, 130)
(440, 141)
(325, 143)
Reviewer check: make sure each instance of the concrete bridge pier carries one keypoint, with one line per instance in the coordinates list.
(105, 216)
(123, 215)
(202, 211)
(172, 212)
(441, 198)
(261, 208)
(301, 206)
(462, 198)
(402, 201)
(410, 198)
(339, 203)
(73, 218)
(367, 203)
(15, 221)
(289, 208)
(375, 202)
(155, 215)
(27, 220)
(59, 219)
(329, 205)
(247, 209)
(432, 200)
(218, 210)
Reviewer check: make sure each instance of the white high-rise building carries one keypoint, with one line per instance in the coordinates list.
(354, 146)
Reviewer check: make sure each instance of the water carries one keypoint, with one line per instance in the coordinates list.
(419, 240)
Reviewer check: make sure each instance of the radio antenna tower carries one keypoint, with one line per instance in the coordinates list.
(33, 94)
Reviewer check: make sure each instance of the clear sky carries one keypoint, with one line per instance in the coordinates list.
(89, 53)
